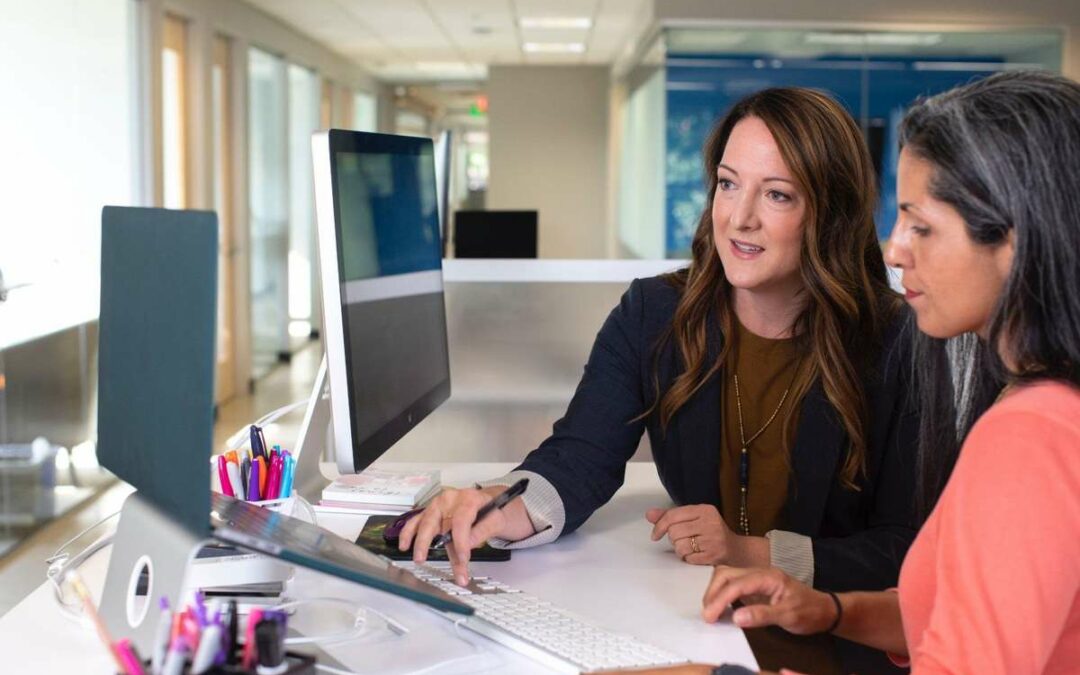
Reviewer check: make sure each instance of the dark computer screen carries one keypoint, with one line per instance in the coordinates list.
(390, 266)
(495, 234)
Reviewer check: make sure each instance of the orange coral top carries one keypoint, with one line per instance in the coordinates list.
(992, 582)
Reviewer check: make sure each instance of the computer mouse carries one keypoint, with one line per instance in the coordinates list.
(393, 530)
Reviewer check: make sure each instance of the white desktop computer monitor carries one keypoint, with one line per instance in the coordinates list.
(384, 318)
(443, 171)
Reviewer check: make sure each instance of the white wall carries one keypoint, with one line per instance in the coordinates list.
(81, 99)
(548, 151)
(65, 150)
(641, 171)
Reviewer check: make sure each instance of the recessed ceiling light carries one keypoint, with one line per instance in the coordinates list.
(554, 47)
(444, 66)
(556, 22)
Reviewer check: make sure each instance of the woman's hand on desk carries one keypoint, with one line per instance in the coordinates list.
(701, 537)
(455, 511)
(780, 601)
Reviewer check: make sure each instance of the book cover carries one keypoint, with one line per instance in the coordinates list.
(380, 486)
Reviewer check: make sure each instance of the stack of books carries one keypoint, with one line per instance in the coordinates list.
(379, 491)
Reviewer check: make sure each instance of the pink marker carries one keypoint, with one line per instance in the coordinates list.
(127, 655)
(273, 482)
(223, 476)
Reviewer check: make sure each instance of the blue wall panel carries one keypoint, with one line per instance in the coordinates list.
(700, 89)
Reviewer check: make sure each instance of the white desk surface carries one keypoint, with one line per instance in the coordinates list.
(608, 571)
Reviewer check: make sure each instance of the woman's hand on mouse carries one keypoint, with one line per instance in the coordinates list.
(701, 537)
(454, 510)
(774, 599)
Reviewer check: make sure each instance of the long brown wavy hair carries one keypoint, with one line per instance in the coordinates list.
(848, 299)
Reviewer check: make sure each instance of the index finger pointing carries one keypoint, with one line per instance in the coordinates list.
(461, 526)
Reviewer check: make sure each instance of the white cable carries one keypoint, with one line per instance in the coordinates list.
(60, 567)
(236, 441)
(61, 554)
(359, 621)
(61, 561)
(307, 507)
(435, 667)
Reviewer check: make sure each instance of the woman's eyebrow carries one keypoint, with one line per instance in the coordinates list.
(721, 165)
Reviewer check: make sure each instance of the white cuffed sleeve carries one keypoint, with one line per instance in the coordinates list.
(793, 553)
(542, 503)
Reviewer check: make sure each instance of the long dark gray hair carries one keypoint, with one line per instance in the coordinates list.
(1005, 153)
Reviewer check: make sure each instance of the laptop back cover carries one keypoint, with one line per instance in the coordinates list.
(156, 355)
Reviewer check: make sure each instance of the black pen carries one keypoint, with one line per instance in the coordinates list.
(501, 500)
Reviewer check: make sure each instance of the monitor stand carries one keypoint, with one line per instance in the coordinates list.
(146, 540)
(169, 550)
(316, 437)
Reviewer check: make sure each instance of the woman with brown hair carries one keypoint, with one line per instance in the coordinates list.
(770, 375)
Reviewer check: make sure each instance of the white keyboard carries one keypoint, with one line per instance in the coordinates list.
(538, 630)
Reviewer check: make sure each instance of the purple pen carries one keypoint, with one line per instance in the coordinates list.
(253, 483)
(161, 637)
(200, 610)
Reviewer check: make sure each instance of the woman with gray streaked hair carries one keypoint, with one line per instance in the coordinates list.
(988, 239)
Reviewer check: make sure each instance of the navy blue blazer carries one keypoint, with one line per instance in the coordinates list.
(859, 537)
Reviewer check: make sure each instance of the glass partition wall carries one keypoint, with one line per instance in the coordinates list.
(691, 76)
(304, 113)
(222, 132)
(268, 189)
(174, 113)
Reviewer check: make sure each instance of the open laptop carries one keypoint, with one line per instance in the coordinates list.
(156, 411)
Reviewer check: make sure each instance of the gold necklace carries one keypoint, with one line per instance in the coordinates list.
(744, 455)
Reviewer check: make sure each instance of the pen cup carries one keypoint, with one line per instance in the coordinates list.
(295, 506)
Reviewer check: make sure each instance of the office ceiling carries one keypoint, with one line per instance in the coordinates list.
(440, 40)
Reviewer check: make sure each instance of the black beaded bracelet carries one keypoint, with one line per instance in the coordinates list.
(839, 612)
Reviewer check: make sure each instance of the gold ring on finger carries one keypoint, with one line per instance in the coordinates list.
(694, 545)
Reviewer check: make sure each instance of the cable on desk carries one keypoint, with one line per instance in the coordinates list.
(433, 668)
(61, 561)
(393, 625)
(236, 441)
(360, 621)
